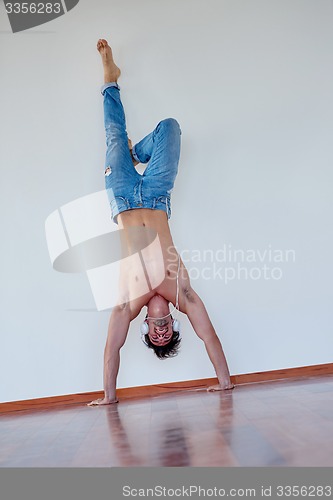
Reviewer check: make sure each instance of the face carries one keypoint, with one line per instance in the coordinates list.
(160, 330)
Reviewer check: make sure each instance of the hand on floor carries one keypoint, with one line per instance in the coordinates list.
(102, 401)
(214, 388)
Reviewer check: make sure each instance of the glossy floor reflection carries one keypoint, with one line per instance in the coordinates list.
(283, 423)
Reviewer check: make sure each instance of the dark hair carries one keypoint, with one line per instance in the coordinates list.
(165, 351)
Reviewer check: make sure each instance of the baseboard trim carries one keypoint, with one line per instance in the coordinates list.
(155, 390)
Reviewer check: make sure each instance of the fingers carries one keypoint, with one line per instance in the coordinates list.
(94, 403)
(215, 388)
(102, 402)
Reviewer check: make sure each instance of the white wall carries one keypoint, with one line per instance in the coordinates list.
(250, 82)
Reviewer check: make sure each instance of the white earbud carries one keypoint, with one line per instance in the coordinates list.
(176, 325)
(144, 328)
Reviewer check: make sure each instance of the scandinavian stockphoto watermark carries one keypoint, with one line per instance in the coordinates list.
(229, 264)
(24, 15)
(98, 248)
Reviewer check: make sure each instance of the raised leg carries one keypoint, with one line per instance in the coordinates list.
(161, 148)
(118, 156)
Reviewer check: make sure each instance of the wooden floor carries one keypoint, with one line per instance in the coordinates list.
(282, 423)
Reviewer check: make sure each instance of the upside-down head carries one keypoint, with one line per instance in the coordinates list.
(161, 337)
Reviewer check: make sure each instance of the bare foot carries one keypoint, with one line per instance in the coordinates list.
(111, 71)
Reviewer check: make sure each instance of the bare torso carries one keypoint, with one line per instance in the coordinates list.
(153, 269)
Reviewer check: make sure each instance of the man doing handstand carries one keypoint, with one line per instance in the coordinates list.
(143, 201)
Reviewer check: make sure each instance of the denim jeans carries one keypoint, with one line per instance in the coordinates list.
(126, 188)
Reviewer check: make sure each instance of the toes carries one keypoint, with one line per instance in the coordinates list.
(101, 43)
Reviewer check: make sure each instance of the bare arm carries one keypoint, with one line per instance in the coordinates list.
(117, 333)
(193, 306)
